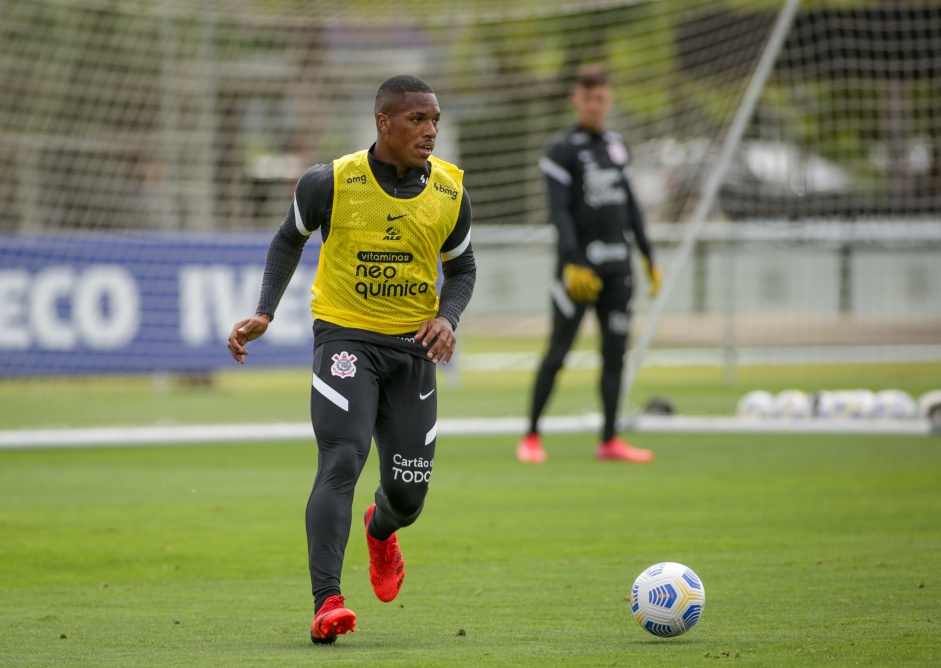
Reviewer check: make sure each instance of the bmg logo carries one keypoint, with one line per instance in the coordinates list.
(447, 191)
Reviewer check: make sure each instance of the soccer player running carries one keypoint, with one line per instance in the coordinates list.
(593, 208)
(380, 326)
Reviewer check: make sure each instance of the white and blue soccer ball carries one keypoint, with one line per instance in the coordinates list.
(667, 599)
(841, 404)
(895, 404)
(855, 404)
(852, 404)
(756, 404)
(793, 404)
(864, 404)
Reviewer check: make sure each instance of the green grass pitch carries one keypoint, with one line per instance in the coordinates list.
(814, 550)
(249, 395)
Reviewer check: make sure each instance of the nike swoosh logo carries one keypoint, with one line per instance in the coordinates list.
(390, 217)
(425, 396)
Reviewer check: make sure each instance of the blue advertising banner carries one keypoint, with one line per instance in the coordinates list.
(128, 303)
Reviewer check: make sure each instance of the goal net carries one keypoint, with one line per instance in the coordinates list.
(149, 148)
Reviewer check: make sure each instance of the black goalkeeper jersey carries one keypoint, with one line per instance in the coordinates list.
(591, 202)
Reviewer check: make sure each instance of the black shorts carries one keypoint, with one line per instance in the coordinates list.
(363, 391)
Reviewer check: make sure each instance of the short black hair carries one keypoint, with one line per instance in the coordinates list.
(394, 87)
(591, 75)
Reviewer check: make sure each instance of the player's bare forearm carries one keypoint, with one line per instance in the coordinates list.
(245, 331)
(437, 335)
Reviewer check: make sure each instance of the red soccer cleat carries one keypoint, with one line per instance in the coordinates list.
(386, 566)
(529, 450)
(332, 620)
(617, 449)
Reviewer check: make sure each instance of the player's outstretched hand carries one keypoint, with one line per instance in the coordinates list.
(245, 331)
(654, 276)
(438, 336)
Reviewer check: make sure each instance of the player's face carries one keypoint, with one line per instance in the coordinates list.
(592, 106)
(407, 131)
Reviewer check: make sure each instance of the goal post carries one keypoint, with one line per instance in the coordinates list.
(710, 189)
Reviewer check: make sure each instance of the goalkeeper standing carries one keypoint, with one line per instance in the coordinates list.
(380, 326)
(594, 210)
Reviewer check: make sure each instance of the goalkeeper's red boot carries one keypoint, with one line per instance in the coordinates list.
(386, 566)
(332, 620)
(617, 449)
(529, 450)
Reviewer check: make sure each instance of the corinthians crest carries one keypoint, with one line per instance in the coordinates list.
(343, 365)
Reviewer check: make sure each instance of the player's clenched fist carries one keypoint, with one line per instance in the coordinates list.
(581, 283)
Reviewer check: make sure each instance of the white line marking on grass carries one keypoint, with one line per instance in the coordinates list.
(507, 426)
(811, 355)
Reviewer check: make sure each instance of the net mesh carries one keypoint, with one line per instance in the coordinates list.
(170, 115)
(166, 115)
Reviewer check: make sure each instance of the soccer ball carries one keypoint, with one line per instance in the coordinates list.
(793, 404)
(895, 404)
(667, 599)
(853, 404)
(864, 404)
(757, 403)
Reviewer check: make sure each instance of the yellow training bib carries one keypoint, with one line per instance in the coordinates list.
(379, 265)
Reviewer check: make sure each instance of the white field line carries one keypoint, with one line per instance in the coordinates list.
(590, 360)
(508, 426)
